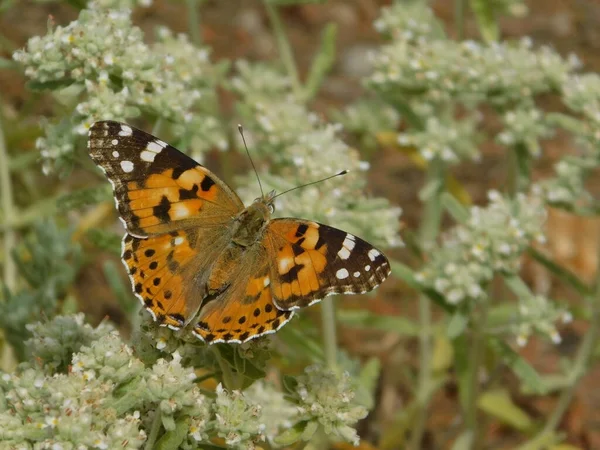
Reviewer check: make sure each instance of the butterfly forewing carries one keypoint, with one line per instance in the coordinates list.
(311, 261)
(157, 188)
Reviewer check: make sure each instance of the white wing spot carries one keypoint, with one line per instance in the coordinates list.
(114, 142)
(178, 240)
(349, 241)
(356, 274)
(344, 253)
(125, 131)
(115, 154)
(373, 254)
(342, 274)
(147, 156)
(266, 281)
(155, 146)
(367, 267)
(127, 166)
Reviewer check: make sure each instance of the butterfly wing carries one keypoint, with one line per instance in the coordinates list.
(177, 215)
(169, 272)
(157, 188)
(311, 261)
(243, 309)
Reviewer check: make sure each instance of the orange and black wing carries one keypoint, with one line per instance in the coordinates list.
(157, 188)
(311, 261)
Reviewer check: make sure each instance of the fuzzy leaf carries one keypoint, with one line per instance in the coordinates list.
(322, 63)
(367, 319)
(486, 19)
(498, 404)
(171, 440)
(521, 368)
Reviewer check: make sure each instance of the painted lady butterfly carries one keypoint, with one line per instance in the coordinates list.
(194, 253)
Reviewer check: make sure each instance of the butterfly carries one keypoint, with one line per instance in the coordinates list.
(197, 257)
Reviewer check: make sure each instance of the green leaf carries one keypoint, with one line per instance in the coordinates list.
(171, 440)
(367, 319)
(457, 324)
(486, 19)
(521, 368)
(430, 190)
(292, 435)
(497, 403)
(461, 364)
(84, 197)
(367, 383)
(105, 240)
(322, 63)
(112, 273)
(454, 208)
(464, 441)
(561, 272)
(49, 85)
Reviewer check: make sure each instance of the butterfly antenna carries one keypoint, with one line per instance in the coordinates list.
(343, 172)
(241, 130)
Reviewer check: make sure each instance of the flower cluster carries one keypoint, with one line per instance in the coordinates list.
(490, 241)
(525, 127)
(54, 343)
(277, 414)
(326, 398)
(439, 71)
(568, 186)
(451, 141)
(103, 56)
(98, 402)
(300, 146)
(64, 411)
(239, 421)
(366, 118)
(538, 314)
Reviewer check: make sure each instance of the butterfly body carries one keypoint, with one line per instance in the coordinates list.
(198, 258)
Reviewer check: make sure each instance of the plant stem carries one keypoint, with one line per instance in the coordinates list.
(474, 360)
(154, 429)
(284, 47)
(194, 25)
(459, 19)
(10, 271)
(429, 230)
(329, 332)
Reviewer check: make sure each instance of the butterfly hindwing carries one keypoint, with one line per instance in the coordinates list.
(157, 188)
(169, 272)
(312, 261)
(243, 308)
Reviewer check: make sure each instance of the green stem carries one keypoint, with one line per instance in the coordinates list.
(10, 270)
(474, 360)
(154, 429)
(459, 18)
(429, 230)
(194, 25)
(284, 47)
(329, 332)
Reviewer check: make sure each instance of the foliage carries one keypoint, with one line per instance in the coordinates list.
(428, 96)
